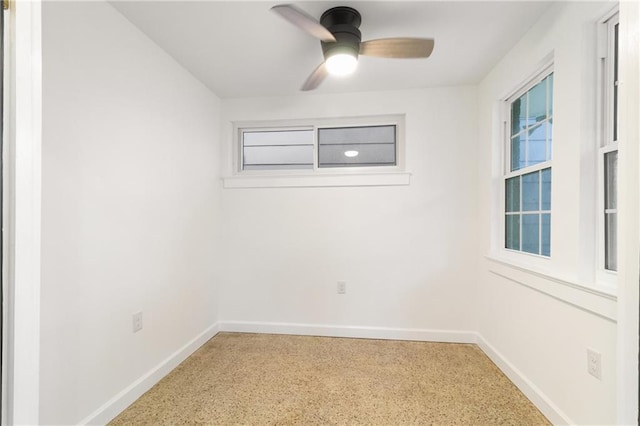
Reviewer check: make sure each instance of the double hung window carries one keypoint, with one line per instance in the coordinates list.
(527, 179)
(608, 150)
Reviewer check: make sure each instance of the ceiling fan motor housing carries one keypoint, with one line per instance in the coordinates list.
(343, 22)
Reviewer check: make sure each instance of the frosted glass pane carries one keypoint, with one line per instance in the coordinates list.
(279, 137)
(531, 191)
(278, 155)
(512, 232)
(357, 146)
(545, 176)
(518, 114)
(518, 152)
(531, 233)
(611, 179)
(545, 230)
(538, 103)
(611, 241)
(359, 135)
(356, 155)
(513, 194)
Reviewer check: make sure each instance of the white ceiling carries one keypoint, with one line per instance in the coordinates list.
(242, 49)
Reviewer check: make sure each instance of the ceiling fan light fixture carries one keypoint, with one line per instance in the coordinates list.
(341, 41)
(341, 64)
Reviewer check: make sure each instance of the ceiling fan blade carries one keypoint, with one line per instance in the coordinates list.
(317, 76)
(303, 21)
(399, 47)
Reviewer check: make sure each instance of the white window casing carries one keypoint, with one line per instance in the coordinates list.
(298, 157)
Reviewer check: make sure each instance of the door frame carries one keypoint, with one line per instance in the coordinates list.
(22, 180)
(629, 213)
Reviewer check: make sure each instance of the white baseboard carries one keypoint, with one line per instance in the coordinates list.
(357, 332)
(531, 391)
(127, 396)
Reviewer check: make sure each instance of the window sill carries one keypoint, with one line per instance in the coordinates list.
(317, 180)
(598, 299)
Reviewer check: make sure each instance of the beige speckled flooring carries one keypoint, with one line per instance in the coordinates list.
(256, 379)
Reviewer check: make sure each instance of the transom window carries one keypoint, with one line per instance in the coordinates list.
(527, 180)
(321, 145)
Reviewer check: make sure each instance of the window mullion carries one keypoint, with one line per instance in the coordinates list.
(521, 215)
(316, 151)
(540, 211)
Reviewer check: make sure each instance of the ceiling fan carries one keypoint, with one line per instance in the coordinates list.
(341, 41)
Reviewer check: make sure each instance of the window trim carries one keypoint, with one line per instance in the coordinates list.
(545, 69)
(319, 176)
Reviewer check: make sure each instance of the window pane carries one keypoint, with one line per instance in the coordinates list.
(545, 191)
(518, 114)
(550, 94)
(615, 84)
(277, 149)
(357, 146)
(513, 194)
(512, 234)
(611, 201)
(611, 242)
(518, 152)
(545, 230)
(361, 155)
(295, 155)
(611, 180)
(549, 138)
(278, 137)
(531, 191)
(537, 103)
(360, 135)
(537, 148)
(531, 233)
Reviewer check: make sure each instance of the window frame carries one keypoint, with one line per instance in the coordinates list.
(239, 128)
(606, 140)
(542, 72)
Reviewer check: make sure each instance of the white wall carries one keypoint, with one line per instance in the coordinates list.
(400, 248)
(133, 216)
(130, 208)
(545, 337)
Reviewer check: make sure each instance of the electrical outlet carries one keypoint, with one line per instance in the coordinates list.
(342, 287)
(594, 363)
(137, 322)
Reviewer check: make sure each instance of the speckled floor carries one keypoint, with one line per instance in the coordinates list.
(261, 379)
